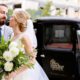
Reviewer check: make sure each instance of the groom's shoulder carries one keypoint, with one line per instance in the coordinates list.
(7, 27)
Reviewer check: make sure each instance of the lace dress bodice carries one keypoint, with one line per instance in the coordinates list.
(17, 41)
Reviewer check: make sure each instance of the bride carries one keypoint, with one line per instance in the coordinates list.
(18, 23)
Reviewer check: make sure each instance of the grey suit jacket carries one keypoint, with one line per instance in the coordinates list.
(6, 32)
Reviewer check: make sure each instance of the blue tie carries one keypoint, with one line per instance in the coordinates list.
(0, 34)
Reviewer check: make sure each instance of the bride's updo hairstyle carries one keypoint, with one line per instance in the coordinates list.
(21, 18)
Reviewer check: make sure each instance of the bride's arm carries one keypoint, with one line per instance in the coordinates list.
(30, 51)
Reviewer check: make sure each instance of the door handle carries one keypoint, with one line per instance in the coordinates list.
(42, 55)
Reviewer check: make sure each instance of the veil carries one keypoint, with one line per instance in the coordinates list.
(31, 33)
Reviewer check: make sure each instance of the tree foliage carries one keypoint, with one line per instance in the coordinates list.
(45, 10)
(10, 11)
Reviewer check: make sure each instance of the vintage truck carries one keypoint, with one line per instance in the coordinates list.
(58, 47)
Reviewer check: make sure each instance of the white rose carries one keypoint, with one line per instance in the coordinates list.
(13, 44)
(8, 66)
(8, 56)
(14, 51)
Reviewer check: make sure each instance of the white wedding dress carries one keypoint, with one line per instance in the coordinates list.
(36, 73)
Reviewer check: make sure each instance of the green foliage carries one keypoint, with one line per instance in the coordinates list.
(59, 12)
(32, 13)
(21, 59)
(42, 11)
(45, 11)
(3, 45)
(1, 74)
(10, 11)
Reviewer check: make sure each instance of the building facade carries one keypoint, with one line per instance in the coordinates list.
(70, 8)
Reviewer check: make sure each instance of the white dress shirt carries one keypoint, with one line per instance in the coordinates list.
(31, 33)
(6, 31)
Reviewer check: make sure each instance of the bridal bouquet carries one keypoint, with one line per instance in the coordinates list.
(12, 56)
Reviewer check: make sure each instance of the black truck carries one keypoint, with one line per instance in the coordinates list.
(58, 47)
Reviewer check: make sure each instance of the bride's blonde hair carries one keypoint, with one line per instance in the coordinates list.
(21, 18)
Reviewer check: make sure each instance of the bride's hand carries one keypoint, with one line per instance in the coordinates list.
(33, 56)
(13, 74)
(34, 53)
(10, 76)
(17, 72)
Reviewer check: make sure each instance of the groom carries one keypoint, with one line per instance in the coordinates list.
(5, 30)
